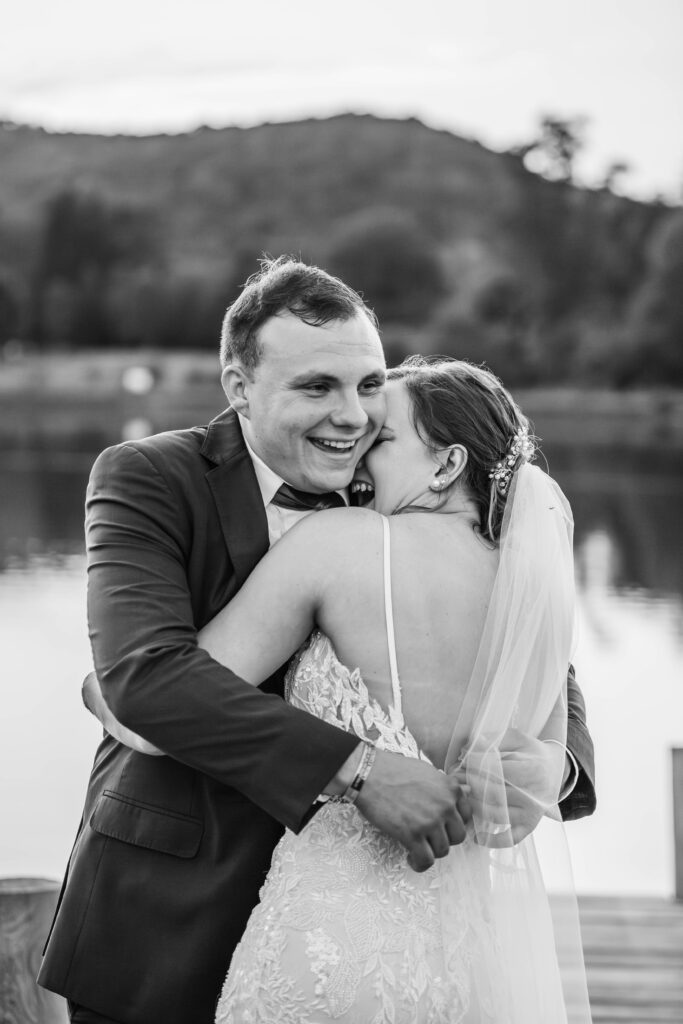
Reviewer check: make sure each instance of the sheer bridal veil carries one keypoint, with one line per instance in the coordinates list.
(508, 748)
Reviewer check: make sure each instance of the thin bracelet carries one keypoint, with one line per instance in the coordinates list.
(350, 795)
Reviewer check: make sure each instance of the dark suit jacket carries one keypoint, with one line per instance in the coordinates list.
(171, 851)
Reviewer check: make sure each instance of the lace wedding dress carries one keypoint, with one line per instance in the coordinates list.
(345, 931)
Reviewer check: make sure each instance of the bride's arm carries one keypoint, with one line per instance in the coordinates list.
(272, 614)
(267, 621)
(279, 604)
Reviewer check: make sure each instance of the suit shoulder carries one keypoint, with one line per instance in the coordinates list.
(168, 443)
(162, 451)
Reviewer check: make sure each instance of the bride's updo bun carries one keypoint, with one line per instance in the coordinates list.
(455, 402)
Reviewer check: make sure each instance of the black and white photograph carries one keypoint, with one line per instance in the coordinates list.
(341, 451)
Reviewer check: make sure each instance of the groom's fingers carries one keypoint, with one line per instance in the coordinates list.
(420, 855)
(414, 803)
(439, 841)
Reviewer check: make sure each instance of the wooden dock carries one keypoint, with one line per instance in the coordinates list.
(633, 949)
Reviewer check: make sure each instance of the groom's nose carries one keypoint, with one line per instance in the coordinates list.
(349, 411)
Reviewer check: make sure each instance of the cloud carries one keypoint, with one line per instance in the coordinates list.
(487, 71)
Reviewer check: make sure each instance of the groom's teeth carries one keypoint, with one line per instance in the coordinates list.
(344, 445)
(360, 486)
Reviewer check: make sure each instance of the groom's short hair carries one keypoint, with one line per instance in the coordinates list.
(284, 285)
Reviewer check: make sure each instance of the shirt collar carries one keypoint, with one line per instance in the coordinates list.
(268, 480)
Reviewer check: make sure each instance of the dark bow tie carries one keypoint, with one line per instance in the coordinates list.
(304, 501)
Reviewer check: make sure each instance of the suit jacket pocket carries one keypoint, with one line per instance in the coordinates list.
(131, 821)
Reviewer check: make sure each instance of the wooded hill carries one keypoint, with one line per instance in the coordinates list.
(142, 241)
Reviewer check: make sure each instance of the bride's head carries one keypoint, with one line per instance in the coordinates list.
(451, 440)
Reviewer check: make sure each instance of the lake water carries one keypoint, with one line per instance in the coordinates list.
(630, 577)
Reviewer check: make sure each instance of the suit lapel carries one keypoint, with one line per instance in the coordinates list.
(236, 493)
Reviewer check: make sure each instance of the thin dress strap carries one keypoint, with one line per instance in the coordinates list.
(389, 614)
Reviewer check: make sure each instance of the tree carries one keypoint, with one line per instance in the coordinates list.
(615, 171)
(553, 151)
(83, 230)
(656, 316)
(85, 239)
(385, 254)
(9, 312)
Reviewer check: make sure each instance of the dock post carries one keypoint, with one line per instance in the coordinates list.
(677, 766)
(26, 909)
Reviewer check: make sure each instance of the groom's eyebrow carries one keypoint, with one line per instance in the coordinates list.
(302, 379)
(311, 376)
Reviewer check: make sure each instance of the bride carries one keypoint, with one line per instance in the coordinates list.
(438, 624)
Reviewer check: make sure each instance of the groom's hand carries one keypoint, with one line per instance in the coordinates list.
(409, 800)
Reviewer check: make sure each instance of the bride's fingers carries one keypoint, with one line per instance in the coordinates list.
(464, 805)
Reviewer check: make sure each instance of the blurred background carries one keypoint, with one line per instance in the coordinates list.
(502, 181)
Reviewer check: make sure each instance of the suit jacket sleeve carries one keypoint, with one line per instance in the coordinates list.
(581, 801)
(154, 677)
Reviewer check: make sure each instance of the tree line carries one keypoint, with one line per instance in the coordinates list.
(565, 285)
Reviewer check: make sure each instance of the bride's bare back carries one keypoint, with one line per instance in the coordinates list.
(442, 575)
(329, 571)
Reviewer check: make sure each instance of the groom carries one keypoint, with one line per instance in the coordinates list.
(171, 851)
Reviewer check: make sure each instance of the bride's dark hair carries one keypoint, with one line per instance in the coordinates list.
(455, 402)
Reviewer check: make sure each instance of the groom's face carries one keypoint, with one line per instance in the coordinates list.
(315, 402)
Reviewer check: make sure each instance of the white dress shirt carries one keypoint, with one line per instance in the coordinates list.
(279, 519)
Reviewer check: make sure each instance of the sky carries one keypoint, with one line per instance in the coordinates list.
(488, 70)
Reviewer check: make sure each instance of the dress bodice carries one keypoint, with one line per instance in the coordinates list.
(318, 682)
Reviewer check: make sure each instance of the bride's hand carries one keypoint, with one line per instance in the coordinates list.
(93, 698)
(411, 801)
(532, 771)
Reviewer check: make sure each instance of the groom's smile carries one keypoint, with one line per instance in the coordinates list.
(335, 446)
(314, 403)
(339, 450)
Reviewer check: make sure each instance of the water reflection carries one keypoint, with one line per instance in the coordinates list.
(630, 580)
(41, 513)
(626, 508)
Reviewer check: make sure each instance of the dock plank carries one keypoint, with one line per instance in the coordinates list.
(633, 948)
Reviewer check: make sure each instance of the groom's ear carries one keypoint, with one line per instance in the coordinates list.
(235, 381)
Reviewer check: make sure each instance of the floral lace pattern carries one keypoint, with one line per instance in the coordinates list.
(317, 682)
(345, 930)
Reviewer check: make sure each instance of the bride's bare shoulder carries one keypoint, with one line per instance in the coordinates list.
(337, 533)
(344, 523)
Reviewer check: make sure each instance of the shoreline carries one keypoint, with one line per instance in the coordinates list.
(93, 395)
